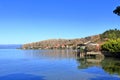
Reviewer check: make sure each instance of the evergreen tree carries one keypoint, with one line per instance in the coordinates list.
(110, 34)
(117, 11)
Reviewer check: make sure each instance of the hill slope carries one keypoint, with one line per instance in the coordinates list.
(60, 43)
(72, 43)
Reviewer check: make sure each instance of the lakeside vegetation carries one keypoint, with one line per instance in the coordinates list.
(112, 43)
(109, 42)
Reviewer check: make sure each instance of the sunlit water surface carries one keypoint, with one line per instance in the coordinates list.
(54, 65)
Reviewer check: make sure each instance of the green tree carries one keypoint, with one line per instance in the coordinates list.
(111, 34)
(112, 45)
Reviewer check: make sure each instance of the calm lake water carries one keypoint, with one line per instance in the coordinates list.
(55, 65)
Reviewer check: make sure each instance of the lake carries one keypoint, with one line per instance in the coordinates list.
(55, 65)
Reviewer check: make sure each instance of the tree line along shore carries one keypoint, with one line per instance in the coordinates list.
(109, 42)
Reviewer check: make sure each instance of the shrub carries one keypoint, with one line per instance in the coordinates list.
(112, 45)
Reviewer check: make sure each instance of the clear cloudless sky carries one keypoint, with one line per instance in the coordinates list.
(24, 21)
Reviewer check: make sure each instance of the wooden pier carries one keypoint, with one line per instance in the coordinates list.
(94, 53)
(90, 54)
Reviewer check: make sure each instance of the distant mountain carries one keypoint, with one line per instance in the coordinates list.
(10, 46)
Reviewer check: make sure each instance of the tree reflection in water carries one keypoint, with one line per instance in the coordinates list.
(110, 65)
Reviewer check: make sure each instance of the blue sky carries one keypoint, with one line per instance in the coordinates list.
(24, 21)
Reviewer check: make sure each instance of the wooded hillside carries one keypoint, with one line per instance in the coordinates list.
(72, 43)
